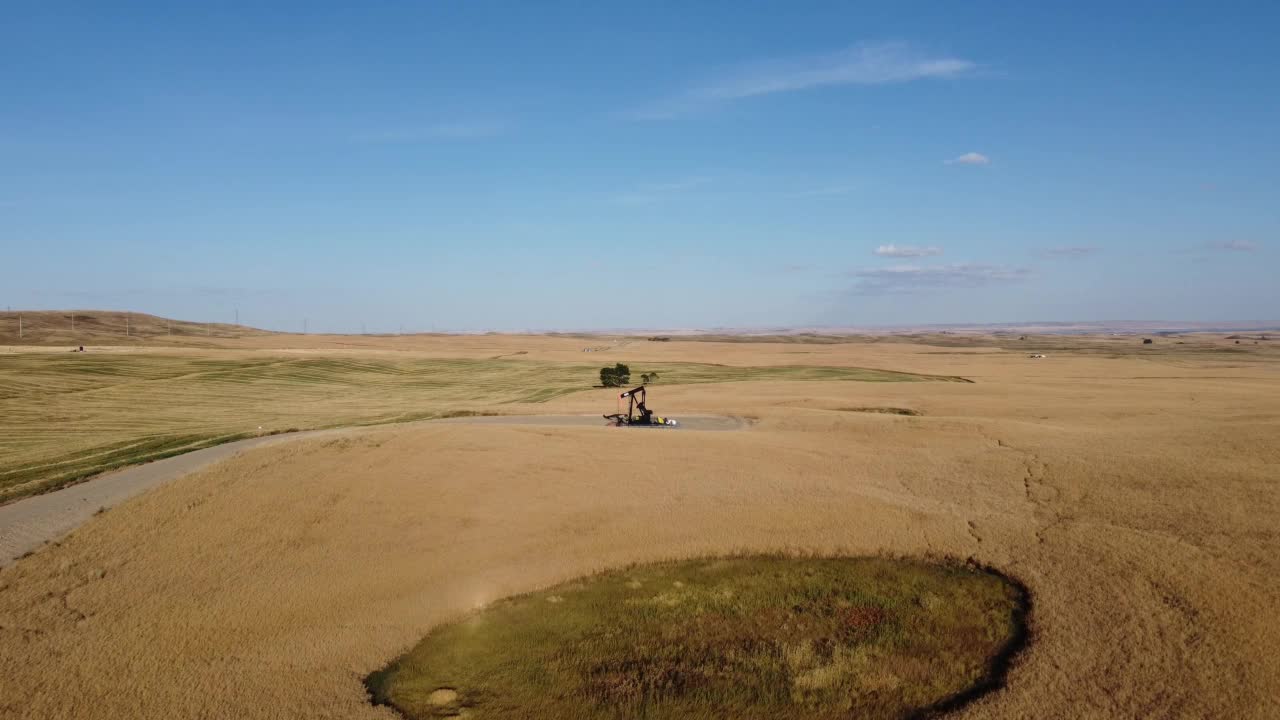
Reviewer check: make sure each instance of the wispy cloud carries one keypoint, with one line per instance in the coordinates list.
(826, 191)
(866, 64)
(439, 132)
(969, 158)
(1234, 246)
(1072, 251)
(907, 279)
(646, 193)
(903, 251)
(676, 185)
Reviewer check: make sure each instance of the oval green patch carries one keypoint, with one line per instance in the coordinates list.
(744, 637)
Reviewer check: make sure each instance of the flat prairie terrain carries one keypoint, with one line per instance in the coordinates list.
(66, 416)
(1132, 490)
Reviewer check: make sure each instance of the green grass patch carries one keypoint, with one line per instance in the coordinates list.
(744, 637)
(883, 410)
(24, 480)
(693, 373)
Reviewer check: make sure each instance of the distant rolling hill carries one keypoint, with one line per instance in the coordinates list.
(109, 327)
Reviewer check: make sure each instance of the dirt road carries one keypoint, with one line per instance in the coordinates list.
(28, 524)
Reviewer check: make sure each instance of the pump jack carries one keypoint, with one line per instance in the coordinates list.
(637, 415)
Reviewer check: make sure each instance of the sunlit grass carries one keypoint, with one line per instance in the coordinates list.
(748, 637)
(66, 416)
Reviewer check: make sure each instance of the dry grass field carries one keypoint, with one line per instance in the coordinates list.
(65, 416)
(1132, 490)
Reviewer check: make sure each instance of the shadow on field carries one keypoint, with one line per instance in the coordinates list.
(998, 671)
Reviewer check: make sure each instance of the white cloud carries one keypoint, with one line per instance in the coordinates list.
(433, 133)
(1072, 251)
(892, 250)
(970, 158)
(1234, 246)
(905, 279)
(866, 64)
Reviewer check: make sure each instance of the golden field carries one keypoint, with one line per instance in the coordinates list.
(1133, 490)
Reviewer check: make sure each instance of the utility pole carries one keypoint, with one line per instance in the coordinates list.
(19, 327)
(237, 316)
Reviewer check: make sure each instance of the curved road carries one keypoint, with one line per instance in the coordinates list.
(27, 524)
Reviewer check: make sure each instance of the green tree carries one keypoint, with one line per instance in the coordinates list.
(616, 376)
(644, 378)
(608, 377)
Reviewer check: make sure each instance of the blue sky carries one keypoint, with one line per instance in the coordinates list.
(484, 165)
